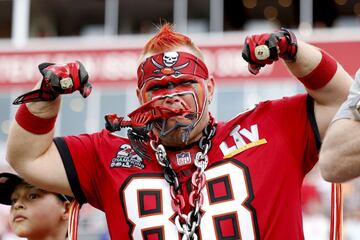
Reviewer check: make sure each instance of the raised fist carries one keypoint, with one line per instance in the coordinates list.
(58, 79)
(266, 48)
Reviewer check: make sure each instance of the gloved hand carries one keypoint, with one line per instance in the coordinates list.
(266, 48)
(58, 79)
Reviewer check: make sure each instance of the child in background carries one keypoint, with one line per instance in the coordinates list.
(34, 213)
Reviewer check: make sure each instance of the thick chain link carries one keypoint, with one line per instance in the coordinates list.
(187, 224)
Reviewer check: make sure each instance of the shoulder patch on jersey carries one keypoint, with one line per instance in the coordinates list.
(126, 158)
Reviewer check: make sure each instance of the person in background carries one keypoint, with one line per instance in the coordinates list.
(340, 153)
(35, 214)
(180, 173)
(316, 223)
(339, 158)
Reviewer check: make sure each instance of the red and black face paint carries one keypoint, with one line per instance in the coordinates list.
(174, 74)
(161, 77)
(171, 64)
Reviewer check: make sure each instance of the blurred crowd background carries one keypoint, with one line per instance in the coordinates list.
(107, 36)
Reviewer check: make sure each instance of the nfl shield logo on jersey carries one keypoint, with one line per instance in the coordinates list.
(183, 158)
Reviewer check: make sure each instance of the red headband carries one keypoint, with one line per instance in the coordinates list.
(170, 64)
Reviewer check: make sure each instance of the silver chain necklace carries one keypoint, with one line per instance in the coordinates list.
(187, 224)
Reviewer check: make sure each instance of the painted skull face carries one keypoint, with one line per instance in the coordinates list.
(175, 80)
(170, 58)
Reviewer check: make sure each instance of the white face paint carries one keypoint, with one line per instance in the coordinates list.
(170, 58)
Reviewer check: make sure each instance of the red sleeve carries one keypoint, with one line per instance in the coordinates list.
(295, 115)
(80, 160)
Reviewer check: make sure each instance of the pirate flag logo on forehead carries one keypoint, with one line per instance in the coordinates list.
(169, 60)
(170, 64)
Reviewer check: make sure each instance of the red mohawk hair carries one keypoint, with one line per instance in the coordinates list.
(167, 39)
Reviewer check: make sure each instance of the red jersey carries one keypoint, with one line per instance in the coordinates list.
(257, 163)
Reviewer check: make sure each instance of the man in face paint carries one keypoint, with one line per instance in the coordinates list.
(181, 174)
(182, 84)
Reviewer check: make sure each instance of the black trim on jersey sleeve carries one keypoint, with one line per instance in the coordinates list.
(312, 119)
(70, 169)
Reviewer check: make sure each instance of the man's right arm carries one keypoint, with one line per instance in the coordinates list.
(30, 148)
(35, 156)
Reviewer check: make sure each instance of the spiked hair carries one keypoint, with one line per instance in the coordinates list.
(167, 39)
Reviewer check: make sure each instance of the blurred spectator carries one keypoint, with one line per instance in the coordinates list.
(316, 223)
(352, 226)
(351, 196)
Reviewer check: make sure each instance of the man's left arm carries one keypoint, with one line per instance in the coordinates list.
(323, 77)
(325, 80)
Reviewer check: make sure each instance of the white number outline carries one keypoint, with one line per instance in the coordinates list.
(229, 168)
